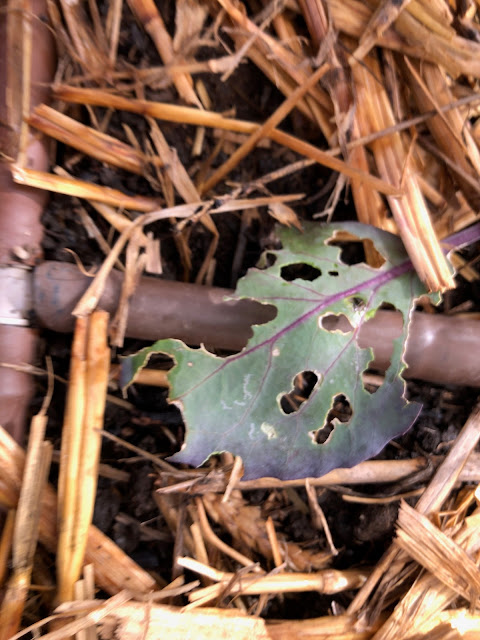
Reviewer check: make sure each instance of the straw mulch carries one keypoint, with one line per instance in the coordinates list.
(391, 91)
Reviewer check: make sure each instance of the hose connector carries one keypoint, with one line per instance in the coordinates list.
(16, 285)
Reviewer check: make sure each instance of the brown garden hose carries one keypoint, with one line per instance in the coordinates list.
(442, 349)
(20, 207)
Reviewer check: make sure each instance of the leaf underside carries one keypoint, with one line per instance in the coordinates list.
(240, 403)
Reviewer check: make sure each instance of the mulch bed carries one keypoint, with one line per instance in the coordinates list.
(387, 549)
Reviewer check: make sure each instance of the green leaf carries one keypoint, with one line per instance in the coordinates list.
(239, 403)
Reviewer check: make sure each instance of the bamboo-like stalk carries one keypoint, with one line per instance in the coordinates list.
(170, 623)
(451, 130)
(159, 110)
(409, 211)
(6, 539)
(114, 19)
(70, 464)
(98, 365)
(81, 189)
(435, 14)
(385, 14)
(369, 206)
(80, 451)
(89, 141)
(37, 465)
(326, 581)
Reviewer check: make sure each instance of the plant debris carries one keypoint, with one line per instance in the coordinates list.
(176, 132)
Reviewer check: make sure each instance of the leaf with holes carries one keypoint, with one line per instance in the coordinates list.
(293, 402)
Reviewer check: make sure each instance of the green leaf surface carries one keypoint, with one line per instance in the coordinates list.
(238, 403)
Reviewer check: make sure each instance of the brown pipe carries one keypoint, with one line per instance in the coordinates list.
(158, 309)
(17, 347)
(441, 349)
(20, 207)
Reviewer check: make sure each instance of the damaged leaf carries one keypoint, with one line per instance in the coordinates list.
(293, 403)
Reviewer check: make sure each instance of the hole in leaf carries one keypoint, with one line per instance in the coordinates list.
(387, 306)
(372, 381)
(333, 322)
(267, 259)
(357, 303)
(423, 303)
(333, 273)
(300, 271)
(387, 323)
(303, 385)
(341, 411)
(355, 250)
